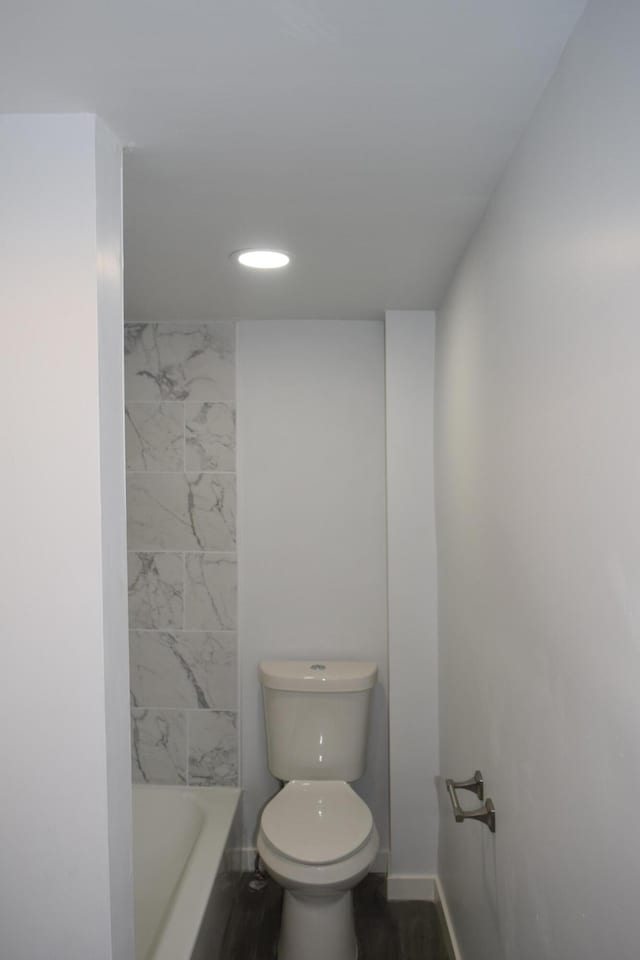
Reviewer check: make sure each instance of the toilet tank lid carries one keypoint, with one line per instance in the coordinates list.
(318, 676)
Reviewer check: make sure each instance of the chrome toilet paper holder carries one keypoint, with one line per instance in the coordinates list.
(485, 814)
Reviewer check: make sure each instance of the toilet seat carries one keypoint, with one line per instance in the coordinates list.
(317, 822)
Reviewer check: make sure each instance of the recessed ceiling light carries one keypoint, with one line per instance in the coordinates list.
(262, 259)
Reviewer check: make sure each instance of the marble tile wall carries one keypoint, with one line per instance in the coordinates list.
(181, 513)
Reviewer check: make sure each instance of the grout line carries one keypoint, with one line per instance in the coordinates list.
(240, 656)
(178, 630)
(184, 437)
(174, 709)
(187, 739)
(176, 550)
(185, 710)
(133, 321)
(179, 473)
(184, 591)
(208, 709)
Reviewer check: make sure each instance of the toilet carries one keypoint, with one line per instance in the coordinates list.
(317, 837)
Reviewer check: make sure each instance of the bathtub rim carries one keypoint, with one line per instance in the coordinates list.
(176, 939)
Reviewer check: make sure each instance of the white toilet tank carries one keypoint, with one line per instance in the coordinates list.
(316, 717)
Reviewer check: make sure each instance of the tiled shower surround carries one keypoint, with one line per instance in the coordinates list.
(181, 506)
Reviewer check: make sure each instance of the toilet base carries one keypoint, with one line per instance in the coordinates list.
(317, 928)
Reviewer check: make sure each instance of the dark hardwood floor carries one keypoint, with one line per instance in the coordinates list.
(407, 930)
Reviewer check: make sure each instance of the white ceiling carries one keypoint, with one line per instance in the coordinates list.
(364, 136)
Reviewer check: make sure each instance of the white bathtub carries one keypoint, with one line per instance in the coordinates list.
(183, 870)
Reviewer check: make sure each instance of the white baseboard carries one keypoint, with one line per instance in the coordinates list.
(401, 886)
(246, 857)
(446, 922)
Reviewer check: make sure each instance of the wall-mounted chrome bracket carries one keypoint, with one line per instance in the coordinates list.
(485, 814)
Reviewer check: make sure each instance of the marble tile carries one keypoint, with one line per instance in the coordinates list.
(155, 436)
(211, 589)
(210, 436)
(192, 511)
(156, 590)
(178, 669)
(158, 746)
(213, 748)
(174, 361)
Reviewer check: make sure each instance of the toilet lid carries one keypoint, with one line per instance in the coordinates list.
(317, 821)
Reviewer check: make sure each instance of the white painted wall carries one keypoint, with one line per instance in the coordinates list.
(311, 521)
(65, 880)
(412, 599)
(538, 510)
(110, 297)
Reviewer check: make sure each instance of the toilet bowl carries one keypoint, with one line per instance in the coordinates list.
(317, 839)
